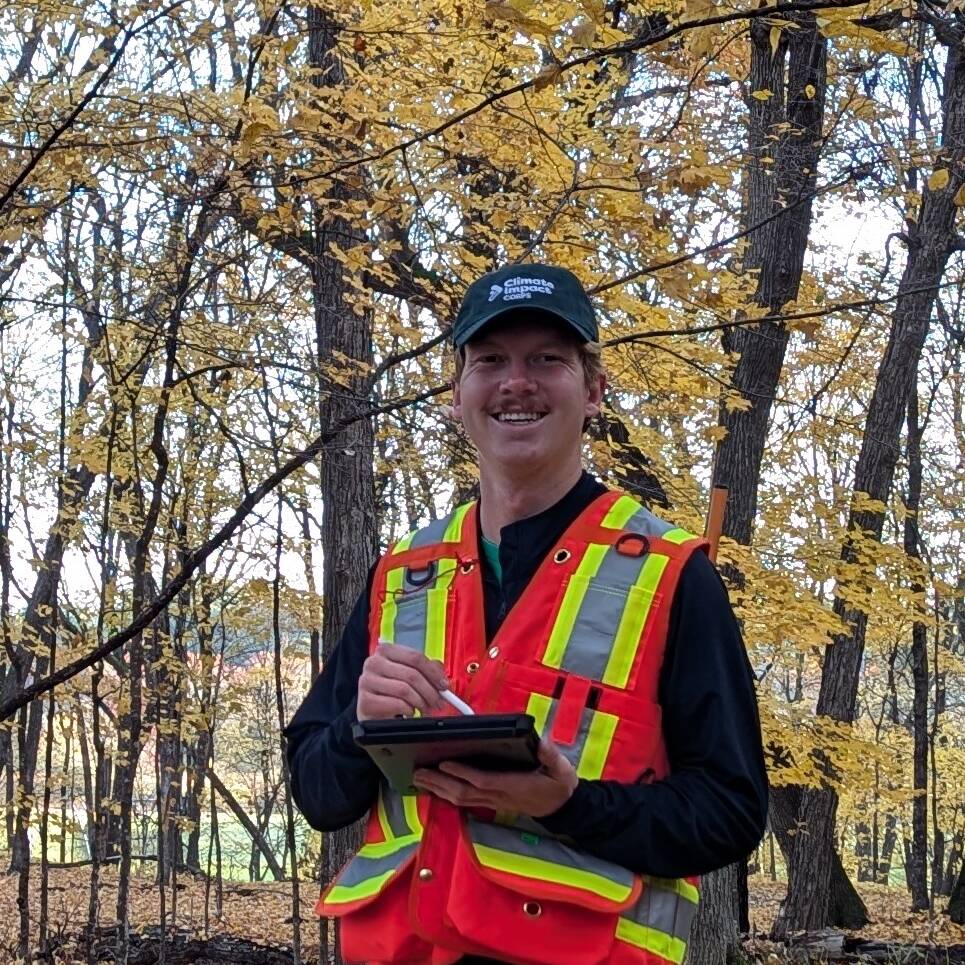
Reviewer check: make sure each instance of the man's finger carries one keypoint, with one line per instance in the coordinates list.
(471, 775)
(399, 690)
(431, 669)
(551, 757)
(394, 678)
(376, 707)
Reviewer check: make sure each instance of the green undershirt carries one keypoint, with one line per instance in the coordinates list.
(491, 556)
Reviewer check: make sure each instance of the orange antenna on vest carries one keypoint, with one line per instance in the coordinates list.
(715, 519)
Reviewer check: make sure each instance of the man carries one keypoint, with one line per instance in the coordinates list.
(557, 597)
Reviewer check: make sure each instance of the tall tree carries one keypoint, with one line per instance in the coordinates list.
(931, 239)
(349, 534)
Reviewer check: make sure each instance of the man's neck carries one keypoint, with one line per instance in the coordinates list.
(505, 500)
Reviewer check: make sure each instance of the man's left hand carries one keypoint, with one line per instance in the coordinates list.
(535, 793)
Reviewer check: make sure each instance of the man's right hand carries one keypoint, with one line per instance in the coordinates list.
(397, 681)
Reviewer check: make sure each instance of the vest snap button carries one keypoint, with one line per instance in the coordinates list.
(425, 874)
(493, 652)
(466, 567)
(561, 556)
(472, 666)
(532, 909)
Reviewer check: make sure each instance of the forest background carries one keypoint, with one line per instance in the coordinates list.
(232, 237)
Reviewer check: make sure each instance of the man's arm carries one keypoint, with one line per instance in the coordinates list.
(711, 809)
(334, 781)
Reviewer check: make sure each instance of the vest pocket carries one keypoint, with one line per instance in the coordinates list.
(552, 903)
(368, 875)
(381, 931)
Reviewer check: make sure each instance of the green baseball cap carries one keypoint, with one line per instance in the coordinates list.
(517, 288)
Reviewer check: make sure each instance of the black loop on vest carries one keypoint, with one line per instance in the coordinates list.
(632, 544)
(421, 577)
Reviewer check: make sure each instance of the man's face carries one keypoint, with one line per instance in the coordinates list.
(522, 396)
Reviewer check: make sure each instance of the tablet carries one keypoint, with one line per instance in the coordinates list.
(491, 742)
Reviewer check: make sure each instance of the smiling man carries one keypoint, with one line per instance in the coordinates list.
(555, 596)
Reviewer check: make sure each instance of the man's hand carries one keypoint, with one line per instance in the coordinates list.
(536, 793)
(397, 681)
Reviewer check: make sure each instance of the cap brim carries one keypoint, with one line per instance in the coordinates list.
(505, 313)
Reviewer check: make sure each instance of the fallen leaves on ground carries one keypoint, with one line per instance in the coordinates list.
(262, 912)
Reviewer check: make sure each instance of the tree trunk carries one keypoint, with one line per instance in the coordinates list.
(931, 242)
(256, 836)
(349, 535)
(785, 142)
(956, 904)
(845, 907)
(886, 854)
(915, 872)
(715, 938)
(862, 851)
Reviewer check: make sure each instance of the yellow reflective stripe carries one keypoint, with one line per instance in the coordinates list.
(597, 746)
(410, 805)
(530, 867)
(678, 536)
(633, 620)
(572, 599)
(387, 831)
(658, 942)
(453, 532)
(380, 849)
(393, 584)
(678, 885)
(620, 512)
(436, 600)
(342, 894)
(538, 708)
(404, 543)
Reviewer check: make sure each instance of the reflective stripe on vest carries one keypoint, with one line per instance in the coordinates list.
(608, 600)
(414, 613)
(660, 920)
(371, 868)
(588, 752)
(377, 861)
(544, 858)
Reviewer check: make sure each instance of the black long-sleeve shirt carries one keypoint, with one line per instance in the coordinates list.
(707, 813)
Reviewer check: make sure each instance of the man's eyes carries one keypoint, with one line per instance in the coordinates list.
(542, 358)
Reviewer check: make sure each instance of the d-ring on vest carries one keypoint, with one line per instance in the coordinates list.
(581, 651)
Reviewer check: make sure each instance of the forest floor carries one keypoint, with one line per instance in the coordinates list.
(261, 913)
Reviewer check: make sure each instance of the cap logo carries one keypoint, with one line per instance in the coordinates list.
(514, 289)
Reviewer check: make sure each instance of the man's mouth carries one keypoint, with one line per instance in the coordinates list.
(518, 418)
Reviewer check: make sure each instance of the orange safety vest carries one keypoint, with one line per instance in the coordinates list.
(581, 651)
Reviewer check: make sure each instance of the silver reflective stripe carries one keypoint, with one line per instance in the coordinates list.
(395, 812)
(361, 868)
(662, 909)
(645, 523)
(599, 617)
(410, 621)
(606, 598)
(432, 533)
(572, 752)
(545, 848)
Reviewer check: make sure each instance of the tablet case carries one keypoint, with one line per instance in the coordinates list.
(490, 742)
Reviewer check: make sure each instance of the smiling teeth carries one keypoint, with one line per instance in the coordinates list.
(519, 416)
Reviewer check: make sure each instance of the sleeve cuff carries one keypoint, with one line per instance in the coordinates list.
(572, 820)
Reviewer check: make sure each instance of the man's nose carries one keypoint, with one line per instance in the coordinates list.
(518, 377)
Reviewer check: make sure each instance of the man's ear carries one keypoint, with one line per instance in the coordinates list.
(594, 399)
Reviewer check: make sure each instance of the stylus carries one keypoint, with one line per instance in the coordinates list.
(460, 705)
